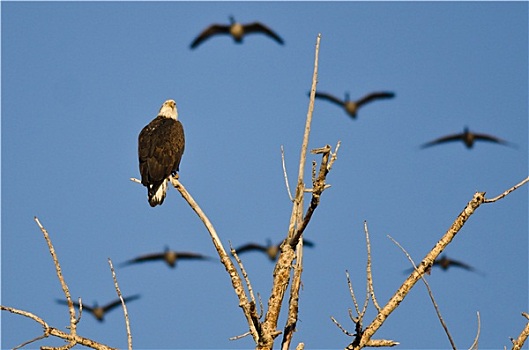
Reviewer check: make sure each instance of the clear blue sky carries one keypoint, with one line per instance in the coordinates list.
(80, 80)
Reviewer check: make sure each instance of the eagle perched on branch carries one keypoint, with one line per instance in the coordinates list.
(160, 147)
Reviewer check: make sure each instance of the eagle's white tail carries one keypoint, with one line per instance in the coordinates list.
(158, 197)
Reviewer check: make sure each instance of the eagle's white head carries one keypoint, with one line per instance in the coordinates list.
(168, 110)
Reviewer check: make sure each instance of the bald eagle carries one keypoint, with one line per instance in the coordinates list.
(160, 147)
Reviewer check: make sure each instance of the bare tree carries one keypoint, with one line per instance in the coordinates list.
(263, 326)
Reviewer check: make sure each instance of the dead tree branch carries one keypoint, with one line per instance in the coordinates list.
(285, 174)
(523, 182)
(430, 293)
(72, 338)
(427, 262)
(293, 304)
(518, 342)
(73, 321)
(248, 307)
(425, 265)
(370, 292)
(474, 345)
(125, 312)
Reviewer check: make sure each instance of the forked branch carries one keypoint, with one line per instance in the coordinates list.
(358, 319)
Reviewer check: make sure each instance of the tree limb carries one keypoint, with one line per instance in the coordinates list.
(427, 262)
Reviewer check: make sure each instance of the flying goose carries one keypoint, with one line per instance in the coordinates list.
(445, 263)
(468, 139)
(169, 256)
(236, 30)
(351, 107)
(100, 311)
(271, 250)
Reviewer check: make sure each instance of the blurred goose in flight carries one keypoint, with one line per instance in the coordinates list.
(351, 107)
(100, 311)
(236, 30)
(468, 139)
(169, 256)
(445, 263)
(271, 250)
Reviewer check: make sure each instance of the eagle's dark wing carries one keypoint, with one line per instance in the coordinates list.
(257, 27)
(449, 138)
(117, 302)
(160, 147)
(374, 96)
(143, 258)
(178, 142)
(209, 32)
(329, 97)
(76, 304)
(250, 246)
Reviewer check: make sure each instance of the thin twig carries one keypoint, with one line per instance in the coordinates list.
(73, 321)
(334, 156)
(507, 192)
(30, 341)
(80, 301)
(369, 272)
(125, 312)
(133, 179)
(430, 293)
(25, 314)
(237, 337)
(285, 174)
(246, 279)
(261, 307)
(345, 331)
(313, 177)
(474, 345)
(352, 293)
